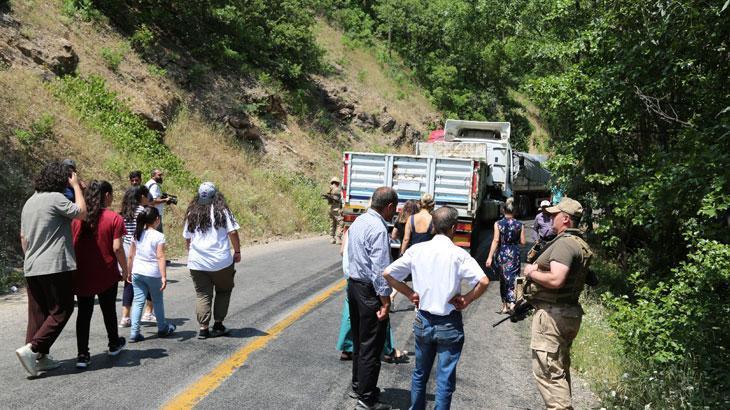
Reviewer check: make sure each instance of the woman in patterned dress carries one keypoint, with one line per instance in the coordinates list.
(508, 236)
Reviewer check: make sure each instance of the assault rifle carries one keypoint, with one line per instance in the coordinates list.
(520, 311)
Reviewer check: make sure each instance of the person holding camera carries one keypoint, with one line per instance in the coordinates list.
(157, 198)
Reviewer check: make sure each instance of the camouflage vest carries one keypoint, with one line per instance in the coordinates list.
(573, 286)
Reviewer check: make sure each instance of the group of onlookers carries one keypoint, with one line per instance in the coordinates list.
(436, 266)
(429, 259)
(75, 244)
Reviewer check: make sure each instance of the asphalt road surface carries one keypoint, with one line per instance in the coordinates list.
(294, 367)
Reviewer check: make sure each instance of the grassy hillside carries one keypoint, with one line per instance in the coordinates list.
(93, 116)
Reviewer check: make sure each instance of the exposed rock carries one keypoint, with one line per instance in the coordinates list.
(244, 129)
(345, 113)
(155, 113)
(238, 121)
(56, 55)
(152, 122)
(407, 135)
(366, 121)
(388, 122)
(275, 106)
(253, 134)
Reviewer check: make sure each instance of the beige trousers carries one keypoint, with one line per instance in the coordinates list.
(553, 331)
(205, 283)
(335, 215)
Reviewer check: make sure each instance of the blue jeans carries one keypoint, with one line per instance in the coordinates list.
(147, 286)
(442, 337)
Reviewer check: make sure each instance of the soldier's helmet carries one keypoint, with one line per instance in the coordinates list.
(335, 180)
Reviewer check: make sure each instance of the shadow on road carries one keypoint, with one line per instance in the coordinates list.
(400, 398)
(246, 332)
(127, 358)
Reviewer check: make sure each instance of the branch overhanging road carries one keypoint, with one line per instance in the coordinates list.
(285, 315)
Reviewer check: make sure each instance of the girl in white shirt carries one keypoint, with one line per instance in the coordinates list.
(149, 275)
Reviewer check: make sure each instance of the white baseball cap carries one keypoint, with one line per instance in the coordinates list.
(206, 192)
(544, 203)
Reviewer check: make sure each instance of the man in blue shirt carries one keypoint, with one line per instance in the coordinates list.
(368, 248)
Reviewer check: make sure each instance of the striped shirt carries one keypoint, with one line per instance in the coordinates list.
(130, 225)
(368, 251)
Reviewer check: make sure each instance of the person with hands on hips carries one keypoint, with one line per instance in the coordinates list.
(438, 267)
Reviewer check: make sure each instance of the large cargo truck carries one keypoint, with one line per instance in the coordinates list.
(451, 181)
(470, 166)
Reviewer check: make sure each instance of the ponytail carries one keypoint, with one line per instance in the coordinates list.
(145, 218)
(94, 197)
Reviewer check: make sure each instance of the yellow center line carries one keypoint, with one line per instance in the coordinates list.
(194, 393)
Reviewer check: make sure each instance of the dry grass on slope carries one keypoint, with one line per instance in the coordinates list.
(369, 79)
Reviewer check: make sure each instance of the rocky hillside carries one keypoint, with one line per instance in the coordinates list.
(78, 85)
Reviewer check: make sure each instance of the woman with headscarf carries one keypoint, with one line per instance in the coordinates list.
(210, 230)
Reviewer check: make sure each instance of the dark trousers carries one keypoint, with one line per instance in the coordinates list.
(108, 305)
(50, 305)
(128, 295)
(368, 334)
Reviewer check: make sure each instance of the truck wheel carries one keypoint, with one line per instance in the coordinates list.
(481, 239)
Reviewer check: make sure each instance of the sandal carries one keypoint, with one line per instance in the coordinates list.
(402, 358)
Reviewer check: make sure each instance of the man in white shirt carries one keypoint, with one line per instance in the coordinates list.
(438, 267)
(154, 185)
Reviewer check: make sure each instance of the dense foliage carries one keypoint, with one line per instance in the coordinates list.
(635, 95)
(454, 49)
(274, 35)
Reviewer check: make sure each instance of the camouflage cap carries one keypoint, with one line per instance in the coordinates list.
(335, 180)
(567, 205)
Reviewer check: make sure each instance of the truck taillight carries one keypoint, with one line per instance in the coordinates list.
(465, 227)
(349, 217)
(475, 179)
(345, 169)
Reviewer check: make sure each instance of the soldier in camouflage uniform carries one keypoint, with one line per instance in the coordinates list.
(554, 284)
(334, 196)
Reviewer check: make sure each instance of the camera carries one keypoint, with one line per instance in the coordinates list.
(173, 198)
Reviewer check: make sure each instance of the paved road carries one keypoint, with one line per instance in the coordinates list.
(298, 369)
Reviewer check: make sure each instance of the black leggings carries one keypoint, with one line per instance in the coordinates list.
(107, 303)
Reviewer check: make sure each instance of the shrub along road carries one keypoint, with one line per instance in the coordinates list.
(299, 368)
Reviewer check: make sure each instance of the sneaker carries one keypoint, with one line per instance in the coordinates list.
(125, 322)
(170, 329)
(28, 359)
(376, 406)
(219, 330)
(83, 360)
(149, 318)
(46, 363)
(203, 334)
(353, 394)
(136, 338)
(113, 351)
(344, 356)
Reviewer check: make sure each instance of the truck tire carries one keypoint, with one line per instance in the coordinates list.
(481, 239)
